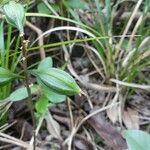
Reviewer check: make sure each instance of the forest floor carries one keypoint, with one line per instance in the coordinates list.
(109, 104)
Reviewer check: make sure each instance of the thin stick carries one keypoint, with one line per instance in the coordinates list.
(40, 41)
(24, 44)
(38, 128)
(70, 113)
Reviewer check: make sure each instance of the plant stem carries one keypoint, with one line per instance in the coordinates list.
(24, 44)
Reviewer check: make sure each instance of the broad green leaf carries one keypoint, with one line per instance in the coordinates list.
(53, 97)
(1, 37)
(76, 4)
(45, 63)
(137, 139)
(15, 14)
(43, 9)
(6, 76)
(42, 104)
(21, 93)
(57, 80)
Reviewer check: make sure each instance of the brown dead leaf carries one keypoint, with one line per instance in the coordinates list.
(111, 135)
(24, 128)
(113, 113)
(131, 119)
(63, 120)
(52, 126)
(81, 143)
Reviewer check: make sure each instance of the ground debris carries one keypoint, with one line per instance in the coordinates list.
(110, 134)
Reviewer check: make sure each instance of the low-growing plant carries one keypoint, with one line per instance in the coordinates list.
(118, 57)
(118, 52)
(52, 84)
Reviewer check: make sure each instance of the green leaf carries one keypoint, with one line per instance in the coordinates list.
(53, 97)
(43, 9)
(57, 80)
(42, 104)
(76, 4)
(15, 14)
(21, 93)
(6, 76)
(1, 37)
(137, 139)
(45, 63)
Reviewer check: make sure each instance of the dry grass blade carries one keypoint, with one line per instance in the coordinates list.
(135, 30)
(9, 139)
(52, 126)
(40, 41)
(113, 113)
(38, 128)
(131, 119)
(7, 126)
(7, 106)
(130, 22)
(75, 129)
(71, 28)
(92, 49)
(84, 83)
(133, 85)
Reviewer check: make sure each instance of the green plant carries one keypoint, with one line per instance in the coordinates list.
(137, 139)
(55, 79)
(53, 85)
(110, 49)
(118, 52)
